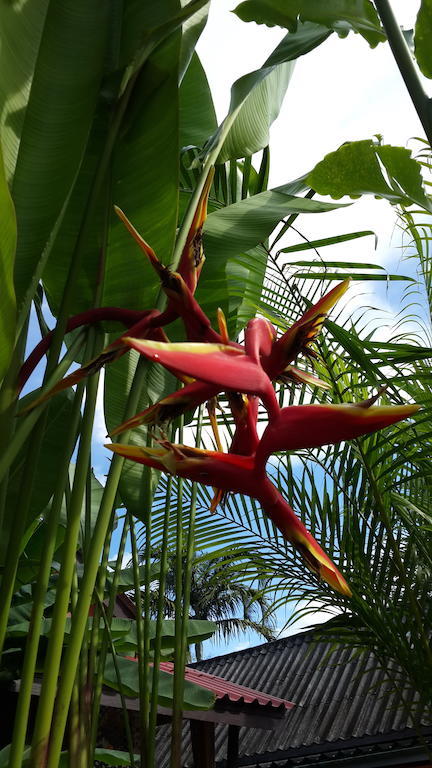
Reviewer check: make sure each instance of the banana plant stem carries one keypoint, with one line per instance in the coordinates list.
(72, 652)
(119, 682)
(96, 681)
(190, 551)
(147, 507)
(178, 672)
(74, 714)
(142, 669)
(18, 529)
(44, 570)
(159, 620)
(407, 68)
(55, 645)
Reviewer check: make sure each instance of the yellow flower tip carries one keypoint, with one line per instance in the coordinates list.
(331, 298)
(409, 410)
(318, 562)
(130, 341)
(398, 411)
(335, 580)
(129, 424)
(127, 451)
(222, 324)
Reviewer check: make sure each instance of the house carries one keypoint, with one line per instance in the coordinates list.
(347, 711)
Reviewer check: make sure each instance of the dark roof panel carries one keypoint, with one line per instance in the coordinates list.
(340, 696)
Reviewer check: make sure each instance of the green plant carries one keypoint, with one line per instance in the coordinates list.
(97, 104)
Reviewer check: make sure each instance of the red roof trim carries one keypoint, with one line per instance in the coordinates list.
(221, 688)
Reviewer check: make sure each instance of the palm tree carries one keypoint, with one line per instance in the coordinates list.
(219, 594)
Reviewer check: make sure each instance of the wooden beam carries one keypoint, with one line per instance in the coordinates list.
(233, 746)
(203, 743)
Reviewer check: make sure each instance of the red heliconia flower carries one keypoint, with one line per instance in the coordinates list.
(171, 406)
(311, 426)
(296, 427)
(227, 367)
(299, 337)
(224, 470)
(244, 409)
(285, 519)
(232, 473)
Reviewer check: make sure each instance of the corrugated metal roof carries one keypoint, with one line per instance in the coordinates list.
(226, 689)
(339, 696)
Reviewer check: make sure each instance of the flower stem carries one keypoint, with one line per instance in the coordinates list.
(55, 645)
(159, 620)
(72, 652)
(32, 645)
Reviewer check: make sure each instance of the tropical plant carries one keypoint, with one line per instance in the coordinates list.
(98, 103)
(217, 594)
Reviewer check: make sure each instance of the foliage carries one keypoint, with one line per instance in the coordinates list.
(218, 595)
(98, 105)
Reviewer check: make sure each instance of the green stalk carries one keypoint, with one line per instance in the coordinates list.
(190, 551)
(87, 584)
(145, 714)
(96, 681)
(32, 645)
(16, 534)
(183, 615)
(18, 529)
(74, 728)
(119, 682)
(74, 715)
(8, 407)
(178, 671)
(233, 181)
(158, 633)
(55, 645)
(142, 668)
(87, 516)
(83, 704)
(246, 176)
(27, 424)
(407, 68)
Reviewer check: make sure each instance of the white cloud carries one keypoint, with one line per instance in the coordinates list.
(316, 615)
(243, 646)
